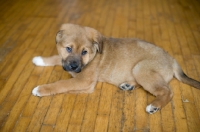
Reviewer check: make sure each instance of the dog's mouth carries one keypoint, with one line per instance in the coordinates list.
(71, 68)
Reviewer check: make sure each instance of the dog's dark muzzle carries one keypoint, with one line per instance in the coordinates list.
(71, 65)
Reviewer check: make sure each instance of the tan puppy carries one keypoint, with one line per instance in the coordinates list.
(90, 57)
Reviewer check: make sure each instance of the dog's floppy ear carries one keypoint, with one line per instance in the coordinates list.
(59, 36)
(96, 37)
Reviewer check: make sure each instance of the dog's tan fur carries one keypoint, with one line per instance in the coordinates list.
(123, 62)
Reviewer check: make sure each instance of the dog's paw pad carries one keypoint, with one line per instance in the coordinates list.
(38, 61)
(35, 91)
(151, 109)
(125, 86)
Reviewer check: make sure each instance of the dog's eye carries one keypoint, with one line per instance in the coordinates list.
(84, 52)
(69, 49)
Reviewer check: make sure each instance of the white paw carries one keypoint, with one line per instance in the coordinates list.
(38, 61)
(151, 109)
(35, 91)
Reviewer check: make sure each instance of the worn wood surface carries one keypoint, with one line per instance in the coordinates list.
(28, 28)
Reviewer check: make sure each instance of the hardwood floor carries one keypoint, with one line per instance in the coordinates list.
(28, 28)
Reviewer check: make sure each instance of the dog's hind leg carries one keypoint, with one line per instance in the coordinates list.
(154, 83)
(163, 96)
(47, 61)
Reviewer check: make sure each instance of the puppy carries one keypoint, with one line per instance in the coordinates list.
(127, 63)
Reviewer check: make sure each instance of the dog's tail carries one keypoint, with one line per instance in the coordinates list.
(181, 76)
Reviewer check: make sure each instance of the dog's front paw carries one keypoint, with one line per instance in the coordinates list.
(38, 61)
(35, 91)
(125, 86)
(151, 109)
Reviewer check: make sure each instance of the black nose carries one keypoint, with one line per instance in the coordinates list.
(73, 65)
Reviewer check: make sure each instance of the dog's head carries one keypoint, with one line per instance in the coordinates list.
(77, 46)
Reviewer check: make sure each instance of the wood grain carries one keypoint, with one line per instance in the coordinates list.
(28, 28)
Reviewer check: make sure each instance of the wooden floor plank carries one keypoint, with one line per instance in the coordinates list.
(179, 112)
(101, 124)
(33, 102)
(22, 124)
(46, 128)
(15, 75)
(56, 103)
(43, 106)
(54, 107)
(129, 111)
(132, 19)
(7, 70)
(22, 80)
(78, 113)
(16, 110)
(12, 22)
(109, 21)
(104, 16)
(90, 115)
(15, 52)
(116, 113)
(65, 113)
(189, 106)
